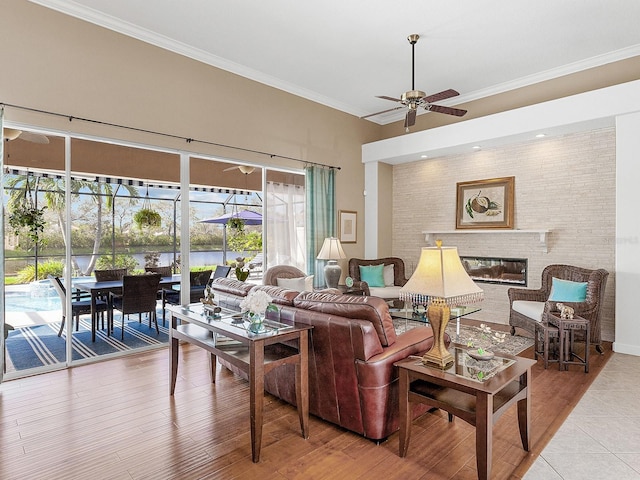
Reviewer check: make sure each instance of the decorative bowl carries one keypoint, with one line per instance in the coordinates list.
(473, 353)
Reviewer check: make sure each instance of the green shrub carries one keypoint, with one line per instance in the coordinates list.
(122, 260)
(28, 273)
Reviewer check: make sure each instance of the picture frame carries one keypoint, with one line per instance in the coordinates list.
(482, 204)
(348, 222)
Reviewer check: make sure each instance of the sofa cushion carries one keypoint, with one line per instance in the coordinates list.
(372, 309)
(301, 284)
(567, 291)
(529, 309)
(389, 275)
(231, 286)
(385, 292)
(372, 274)
(279, 296)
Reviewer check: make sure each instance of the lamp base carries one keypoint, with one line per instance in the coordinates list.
(332, 273)
(438, 315)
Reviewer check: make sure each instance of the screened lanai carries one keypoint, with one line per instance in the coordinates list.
(90, 215)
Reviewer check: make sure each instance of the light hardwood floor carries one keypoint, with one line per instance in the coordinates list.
(116, 420)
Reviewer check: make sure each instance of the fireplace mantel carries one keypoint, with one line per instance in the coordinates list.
(543, 234)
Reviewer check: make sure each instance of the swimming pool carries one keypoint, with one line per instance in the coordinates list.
(37, 296)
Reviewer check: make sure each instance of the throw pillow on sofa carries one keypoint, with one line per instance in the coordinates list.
(567, 291)
(372, 274)
(389, 275)
(301, 284)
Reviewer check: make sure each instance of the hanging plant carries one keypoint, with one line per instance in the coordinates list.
(147, 217)
(236, 224)
(25, 214)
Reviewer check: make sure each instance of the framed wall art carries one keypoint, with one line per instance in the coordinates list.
(348, 226)
(485, 203)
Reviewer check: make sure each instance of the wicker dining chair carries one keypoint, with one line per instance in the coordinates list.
(110, 275)
(82, 306)
(198, 281)
(163, 271)
(139, 295)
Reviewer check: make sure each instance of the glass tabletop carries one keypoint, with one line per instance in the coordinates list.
(420, 314)
(465, 366)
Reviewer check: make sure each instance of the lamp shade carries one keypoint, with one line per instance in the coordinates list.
(440, 275)
(331, 250)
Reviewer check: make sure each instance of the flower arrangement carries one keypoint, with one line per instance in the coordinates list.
(255, 305)
(488, 338)
(256, 302)
(240, 271)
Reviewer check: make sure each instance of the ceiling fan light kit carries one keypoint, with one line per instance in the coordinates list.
(414, 99)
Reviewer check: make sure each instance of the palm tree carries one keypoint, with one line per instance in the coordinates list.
(54, 194)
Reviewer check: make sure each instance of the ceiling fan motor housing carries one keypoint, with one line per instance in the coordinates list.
(412, 98)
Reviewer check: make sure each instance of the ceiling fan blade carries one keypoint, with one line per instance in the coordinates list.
(229, 169)
(384, 97)
(410, 119)
(436, 97)
(448, 110)
(34, 138)
(383, 111)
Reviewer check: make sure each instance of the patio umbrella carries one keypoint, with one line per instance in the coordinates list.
(249, 217)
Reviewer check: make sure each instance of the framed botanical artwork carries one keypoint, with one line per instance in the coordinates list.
(348, 222)
(485, 203)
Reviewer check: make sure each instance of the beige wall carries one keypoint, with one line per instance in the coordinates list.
(564, 184)
(60, 64)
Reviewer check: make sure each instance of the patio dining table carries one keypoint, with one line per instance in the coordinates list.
(98, 289)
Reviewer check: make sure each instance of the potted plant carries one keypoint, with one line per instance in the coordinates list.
(25, 214)
(147, 217)
(236, 224)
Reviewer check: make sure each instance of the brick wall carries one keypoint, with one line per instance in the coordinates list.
(564, 184)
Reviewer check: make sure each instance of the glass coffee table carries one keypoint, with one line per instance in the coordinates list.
(410, 314)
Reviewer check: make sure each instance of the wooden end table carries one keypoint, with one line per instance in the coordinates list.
(567, 328)
(477, 394)
(547, 333)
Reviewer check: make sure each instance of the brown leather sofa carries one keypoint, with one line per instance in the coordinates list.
(353, 346)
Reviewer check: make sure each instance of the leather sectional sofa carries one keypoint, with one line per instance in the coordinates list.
(353, 346)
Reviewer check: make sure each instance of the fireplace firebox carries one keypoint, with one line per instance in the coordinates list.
(509, 271)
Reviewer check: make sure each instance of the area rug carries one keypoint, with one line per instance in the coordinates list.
(512, 344)
(31, 347)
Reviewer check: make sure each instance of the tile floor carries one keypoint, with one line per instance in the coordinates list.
(601, 436)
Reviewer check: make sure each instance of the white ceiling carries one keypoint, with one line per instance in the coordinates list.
(342, 53)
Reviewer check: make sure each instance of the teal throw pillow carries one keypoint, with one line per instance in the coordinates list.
(567, 291)
(373, 275)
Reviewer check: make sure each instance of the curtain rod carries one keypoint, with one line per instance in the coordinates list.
(169, 135)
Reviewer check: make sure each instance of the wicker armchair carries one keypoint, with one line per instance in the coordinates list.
(589, 309)
(398, 276)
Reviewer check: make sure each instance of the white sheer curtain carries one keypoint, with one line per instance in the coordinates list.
(285, 225)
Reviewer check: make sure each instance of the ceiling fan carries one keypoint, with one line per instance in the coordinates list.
(243, 168)
(415, 99)
(12, 134)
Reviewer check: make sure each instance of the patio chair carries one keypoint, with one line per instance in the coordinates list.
(198, 282)
(81, 306)
(139, 295)
(163, 271)
(110, 275)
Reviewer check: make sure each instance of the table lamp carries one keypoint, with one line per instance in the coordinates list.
(440, 281)
(332, 251)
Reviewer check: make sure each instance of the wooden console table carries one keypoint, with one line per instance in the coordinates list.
(478, 392)
(227, 337)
